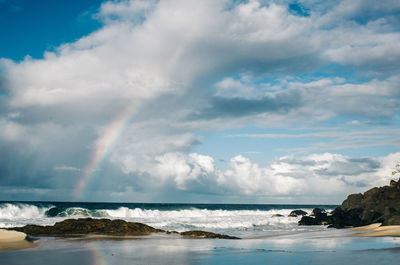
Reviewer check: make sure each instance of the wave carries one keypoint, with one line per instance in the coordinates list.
(19, 214)
(74, 211)
(207, 219)
(21, 211)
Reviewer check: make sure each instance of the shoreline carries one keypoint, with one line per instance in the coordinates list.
(14, 240)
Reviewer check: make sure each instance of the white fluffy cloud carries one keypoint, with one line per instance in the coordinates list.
(321, 175)
(184, 67)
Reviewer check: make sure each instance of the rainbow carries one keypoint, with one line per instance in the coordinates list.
(100, 255)
(113, 132)
(104, 147)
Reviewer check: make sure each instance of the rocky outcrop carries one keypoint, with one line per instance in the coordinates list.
(377, 205)
(296, 213)
(318, 219)
(90, 226)
(84, 226)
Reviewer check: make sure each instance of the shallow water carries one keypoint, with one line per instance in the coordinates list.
(323, 247)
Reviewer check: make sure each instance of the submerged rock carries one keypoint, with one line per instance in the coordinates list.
(277, 215)
(377, 205)
(296, 213)
(204, 234)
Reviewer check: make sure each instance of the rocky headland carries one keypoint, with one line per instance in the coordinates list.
(107, 227)
(377, 205)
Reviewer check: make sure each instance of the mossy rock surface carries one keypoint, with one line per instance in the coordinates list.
(84, 226)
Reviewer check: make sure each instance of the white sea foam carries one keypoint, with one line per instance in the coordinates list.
(21, 211)
(209, 219)
(20, 214)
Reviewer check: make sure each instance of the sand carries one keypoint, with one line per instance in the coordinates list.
(12, 240)
(376, 230)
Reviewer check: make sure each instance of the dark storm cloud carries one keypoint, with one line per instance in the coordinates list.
(221, 107)
(18, 168)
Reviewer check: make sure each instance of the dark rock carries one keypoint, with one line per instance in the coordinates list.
(84, 226)
(277, 215)
(377, 205)
(322, 218)
(394, 219)
(296, 213)
(393, 184)
(307, 220)
(204, 234)
(317, 211)
(352, 201)
(319, 219)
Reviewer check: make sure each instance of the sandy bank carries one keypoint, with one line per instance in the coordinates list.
(376, 230)
(12, 240)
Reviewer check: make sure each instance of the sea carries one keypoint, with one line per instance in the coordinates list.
(265, 237)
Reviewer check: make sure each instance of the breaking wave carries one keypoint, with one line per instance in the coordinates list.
(204, 218)
(21, 211)
(179, 219)
(12, 214)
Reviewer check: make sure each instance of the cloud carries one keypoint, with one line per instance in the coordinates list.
(337, 139)
(280, 103)
(231, 88)
(183, 68)
(318, 99)
(66, 168)
(321, 175)
(132, 11)
(184, 169)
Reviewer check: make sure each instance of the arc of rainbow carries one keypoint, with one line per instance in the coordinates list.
(99, 254)
(114, 131)
(104, 147)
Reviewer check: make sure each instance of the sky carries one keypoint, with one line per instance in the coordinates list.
(198, 101)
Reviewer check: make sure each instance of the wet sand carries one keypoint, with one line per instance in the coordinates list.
(318, 247)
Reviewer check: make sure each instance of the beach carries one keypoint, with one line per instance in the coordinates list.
(265, 237)
(321, 247)
(13, 240)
